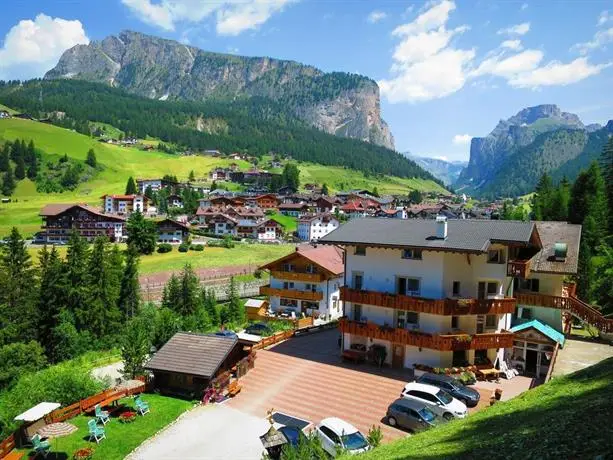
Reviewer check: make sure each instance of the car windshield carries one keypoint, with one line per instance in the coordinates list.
(427, 414)
(354, 441)
(444, 396)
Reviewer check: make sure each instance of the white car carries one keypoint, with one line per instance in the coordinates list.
(438, 401)
(336, 435)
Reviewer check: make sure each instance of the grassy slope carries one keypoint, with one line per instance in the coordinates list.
(242, 254)
(289, 223)
(570, 417)
(121, 162)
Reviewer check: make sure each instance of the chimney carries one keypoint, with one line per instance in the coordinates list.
(441, 227)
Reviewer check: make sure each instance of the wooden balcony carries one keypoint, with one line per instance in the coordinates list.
(298, 276)
(518, 268)
(291, 293)
(449, 307)
(446, 342)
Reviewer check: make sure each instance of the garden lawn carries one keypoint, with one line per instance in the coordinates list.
(121, 438)
(289, 223)
(569, 417)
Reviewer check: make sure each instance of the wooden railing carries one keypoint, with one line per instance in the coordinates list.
(64, 413)
(276, 338)
(7, 446)
(297, 276)
(447, 342)
(572, 305)
(518, 268)
(450, 307)
(291, 293)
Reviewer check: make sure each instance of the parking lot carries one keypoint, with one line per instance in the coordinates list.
(305, 377)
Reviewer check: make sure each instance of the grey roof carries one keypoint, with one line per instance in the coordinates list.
(193, 354)
(462, 235)
(552, 233)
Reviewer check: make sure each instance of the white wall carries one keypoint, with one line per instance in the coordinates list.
(426, 356)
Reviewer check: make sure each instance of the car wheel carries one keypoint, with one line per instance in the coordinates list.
(448, 416)
(391, 421)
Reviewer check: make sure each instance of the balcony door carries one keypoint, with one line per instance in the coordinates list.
(398, 356)
(487, 288)
(358, 280)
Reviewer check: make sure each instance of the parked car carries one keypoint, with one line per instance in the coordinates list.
(438, 401)
(292, 434)
(258, 329)
(411, 414)
(454, 387)
(336, 435)
(226, 333)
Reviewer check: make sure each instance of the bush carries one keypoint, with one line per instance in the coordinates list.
(258, 273)
(164, 247)
(197, 247)
(184, 247)
(374, 436)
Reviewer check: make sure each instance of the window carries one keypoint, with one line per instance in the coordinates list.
(357, 312)
(526, 284)
(291, 303)
(406, 318)
(358, 279)
(408, 286)
(459, 358)
(495, 256)
(311, 268)
(288, 267)
(491, 321)
(411, 254)
(481, 356)
(487, 288)
(310, 287)
(454, 322)
(330, 434)
(456, 288)
(311, 305)
(360, 251)
(288, 285)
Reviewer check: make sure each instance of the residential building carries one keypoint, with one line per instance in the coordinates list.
(326, 204)
(307, 281)
(311, 228)
(4, 114)
(441, 293)
(61, 220)
(294, 209)
(175, 201)
(124, 204)
(155, 184)
(219, 174)
(171, 231)
(269, 230)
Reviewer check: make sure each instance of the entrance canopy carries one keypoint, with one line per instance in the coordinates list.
(37, 412)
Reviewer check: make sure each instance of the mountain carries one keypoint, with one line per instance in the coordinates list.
(343, 104)
(510, 160)
(447, 171)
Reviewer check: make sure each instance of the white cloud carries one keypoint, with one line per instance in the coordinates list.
(232, 16)
(523, 6)
(376, 16)
(509, 67)
(426, 66)
(512, 44)
(34, 46)
(557, 73)
(604, 18)
(600, 40)
(517, 29)
(462, 139)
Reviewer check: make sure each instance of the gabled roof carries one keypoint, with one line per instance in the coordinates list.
(57, 208)
(543, 328)
(330, 258)
(462, 235)
(293, 206)
(193, 354)
(173, 222)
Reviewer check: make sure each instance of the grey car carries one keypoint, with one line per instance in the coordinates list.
(454, 387)
(411, 415)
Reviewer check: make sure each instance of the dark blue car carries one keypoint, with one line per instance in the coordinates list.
(454, 387)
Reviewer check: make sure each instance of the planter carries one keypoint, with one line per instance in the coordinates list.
(498, 393)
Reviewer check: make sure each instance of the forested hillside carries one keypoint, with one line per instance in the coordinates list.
(255, 125)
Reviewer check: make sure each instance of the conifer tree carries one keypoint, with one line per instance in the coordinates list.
(135, 348)
(20, 168)
(5, 156)
(324, 190)
(131, 186)
(142, 233)
(190, 290)
(8, 182)
(606, 163)
(210, 305)
(52, 295)
(236, 311)
(171, 297)
(129, 293)
(91, 158)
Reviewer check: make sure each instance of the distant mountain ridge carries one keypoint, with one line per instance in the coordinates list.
(510, 160)
(447, 171)
(338, 103)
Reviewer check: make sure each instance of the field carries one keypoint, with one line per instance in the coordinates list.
(122, 162)
(569, 417)
(289, 223)
(252, 255)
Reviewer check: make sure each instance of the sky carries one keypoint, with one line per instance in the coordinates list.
(447, 70)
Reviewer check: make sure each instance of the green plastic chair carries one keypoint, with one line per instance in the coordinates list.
(41, 447)
(102, 415)
(141, 406)
(95, 431)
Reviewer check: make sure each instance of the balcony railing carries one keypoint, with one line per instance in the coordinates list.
(297, 276)
(446, 342)
(449, 307)
(518, 268)
(291, 293)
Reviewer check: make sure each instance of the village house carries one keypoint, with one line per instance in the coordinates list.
(306, 282)
(398, 213)
(294, 209)
(4, 114)
(326, 204)
(219, 174)
(441, 293)
(171, 231)
(311, 228)
(155, 184)
(61, 220)
(124, 204)
(175, 201)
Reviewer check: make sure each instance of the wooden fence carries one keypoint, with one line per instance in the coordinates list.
(276, 338)
(7, 446)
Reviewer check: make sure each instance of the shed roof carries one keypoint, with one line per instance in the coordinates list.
(37, 412)
(462, 235)
(193, 354)
(543, 328)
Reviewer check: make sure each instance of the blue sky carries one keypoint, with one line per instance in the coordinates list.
(447, 70)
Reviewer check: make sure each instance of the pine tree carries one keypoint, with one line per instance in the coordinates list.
(91, 158)
(135, 348)
(129, 294)
(131, 186)
(171, 297)
(375, 192)
(18, 287)
(291, 176)
(210, 305)
(559, 202)
(142, 233)
(542, 197)
(52, 295)
(20, 168)
(8, 182)
(76, 276)
(236, 311)
(192, 176)
(190, 290)
(324, 190)
(5, 156)
(588, 199)
(166, 325)
(606, 164)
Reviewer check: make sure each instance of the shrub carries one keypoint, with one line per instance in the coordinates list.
(258, 273)
(374, 436)
(184, 247)
(85, 453)
(197, 247)
(164, 247)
